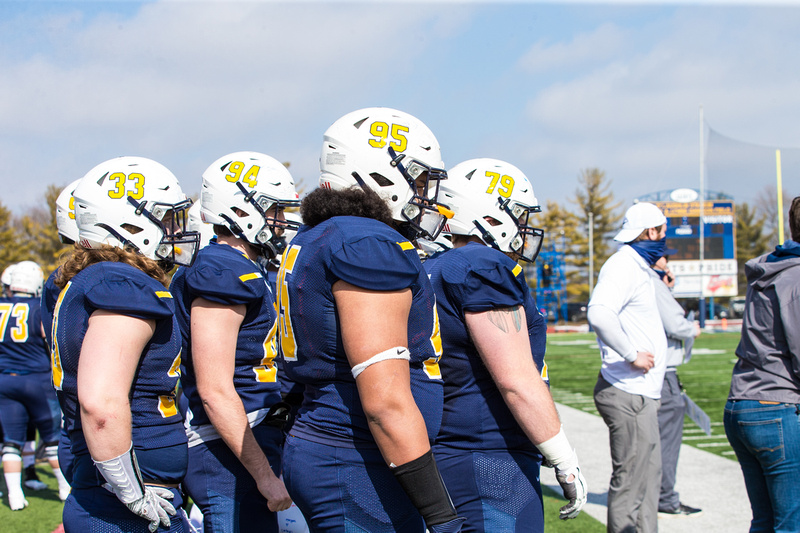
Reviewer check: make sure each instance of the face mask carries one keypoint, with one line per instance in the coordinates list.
(651, 251)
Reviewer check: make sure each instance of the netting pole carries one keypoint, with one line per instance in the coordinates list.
(702, 306)
(780, 197)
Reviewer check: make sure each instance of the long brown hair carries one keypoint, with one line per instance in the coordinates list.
(80, 258)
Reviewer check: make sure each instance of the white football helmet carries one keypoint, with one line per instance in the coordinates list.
(196, 223)
(65, 214)
(493, 200)
(247, 192)
(26, 277)
(393, 154)
(6, 278)
(135, 202)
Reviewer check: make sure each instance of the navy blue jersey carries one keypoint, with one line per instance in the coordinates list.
(22, 347)
(477, 278)
(155, 421)
(223, 275)
(50, 293)
(371, 255)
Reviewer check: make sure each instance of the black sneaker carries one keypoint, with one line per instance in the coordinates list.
(682, 510)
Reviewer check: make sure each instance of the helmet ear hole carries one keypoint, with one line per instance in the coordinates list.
(130, 228)
(381, 180)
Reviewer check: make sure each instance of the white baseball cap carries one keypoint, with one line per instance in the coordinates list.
(638, 218)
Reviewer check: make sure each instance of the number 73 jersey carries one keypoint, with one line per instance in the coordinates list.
(371, 255)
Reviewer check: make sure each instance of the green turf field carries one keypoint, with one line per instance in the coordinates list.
(573, 362)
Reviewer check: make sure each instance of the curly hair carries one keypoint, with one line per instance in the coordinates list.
(79, 258)
(321, 204)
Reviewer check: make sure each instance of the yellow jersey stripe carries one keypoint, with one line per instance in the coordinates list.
(248, 277)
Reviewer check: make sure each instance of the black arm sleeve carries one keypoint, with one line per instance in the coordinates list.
(422, 482)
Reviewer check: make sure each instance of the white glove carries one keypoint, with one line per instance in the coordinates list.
(125, 481)
(563, 458)
(154, 506)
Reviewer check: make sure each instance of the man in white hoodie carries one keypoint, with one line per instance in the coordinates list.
(633, 346)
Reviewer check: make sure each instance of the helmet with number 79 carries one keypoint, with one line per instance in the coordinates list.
(65, 214)
(393, 154)
(493, 200)
(247, 192)
(136, 203)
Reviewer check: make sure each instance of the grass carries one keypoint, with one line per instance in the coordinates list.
(573, 362)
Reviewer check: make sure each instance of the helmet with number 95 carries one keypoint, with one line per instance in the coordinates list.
(493, 200)
(65, 214)
(247, 192)
(136, 203)
(393, 154)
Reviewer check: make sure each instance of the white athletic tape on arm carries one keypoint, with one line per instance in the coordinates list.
(398, 352)
(556, 449)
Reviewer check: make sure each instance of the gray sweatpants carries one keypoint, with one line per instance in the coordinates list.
(632, 422)
(670, 424)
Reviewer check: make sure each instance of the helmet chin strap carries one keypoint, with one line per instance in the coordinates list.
(486, 236)
(125, 242)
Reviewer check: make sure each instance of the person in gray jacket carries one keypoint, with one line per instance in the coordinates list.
(762, 415)
(681, 333)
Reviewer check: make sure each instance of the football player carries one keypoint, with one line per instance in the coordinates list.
(116, 349)
(228, 321)
(68, 234)
(358, 331)
(26, 394)
(497, 405)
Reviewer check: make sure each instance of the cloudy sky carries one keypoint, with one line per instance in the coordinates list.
(554, 88)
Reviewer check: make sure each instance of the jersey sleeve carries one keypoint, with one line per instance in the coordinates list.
(376, 264)
(133, 296)
(489, 284)
(226, 282)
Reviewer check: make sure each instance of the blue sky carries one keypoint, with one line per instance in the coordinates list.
(553, 88)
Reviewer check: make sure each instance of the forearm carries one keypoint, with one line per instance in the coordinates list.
(401, 436)
(534, 410)
(226, 413)
(605, 323)
(107, 429)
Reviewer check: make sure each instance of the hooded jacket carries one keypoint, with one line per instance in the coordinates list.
(769, 351)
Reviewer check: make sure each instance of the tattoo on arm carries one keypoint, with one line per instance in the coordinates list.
(505, 319)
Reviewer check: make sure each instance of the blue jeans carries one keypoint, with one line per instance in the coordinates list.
(766, 439)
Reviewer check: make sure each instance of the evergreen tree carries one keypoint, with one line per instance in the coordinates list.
(592, 196)
(38, 228)
(12, 248)
(750, 241)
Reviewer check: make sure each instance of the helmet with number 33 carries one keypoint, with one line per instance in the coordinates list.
(246, 192)
(393, 154)
(493, 200)
(137, 203)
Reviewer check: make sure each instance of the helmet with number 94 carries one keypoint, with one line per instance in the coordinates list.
(65, 214)
(393, 154)
(247, 192)
(26, 277)
(493, 200)
(136, 203)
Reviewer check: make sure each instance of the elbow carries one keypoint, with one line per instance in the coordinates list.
(97, 414)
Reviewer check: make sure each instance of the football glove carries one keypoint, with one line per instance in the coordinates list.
(560, 455)
(125, 481)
